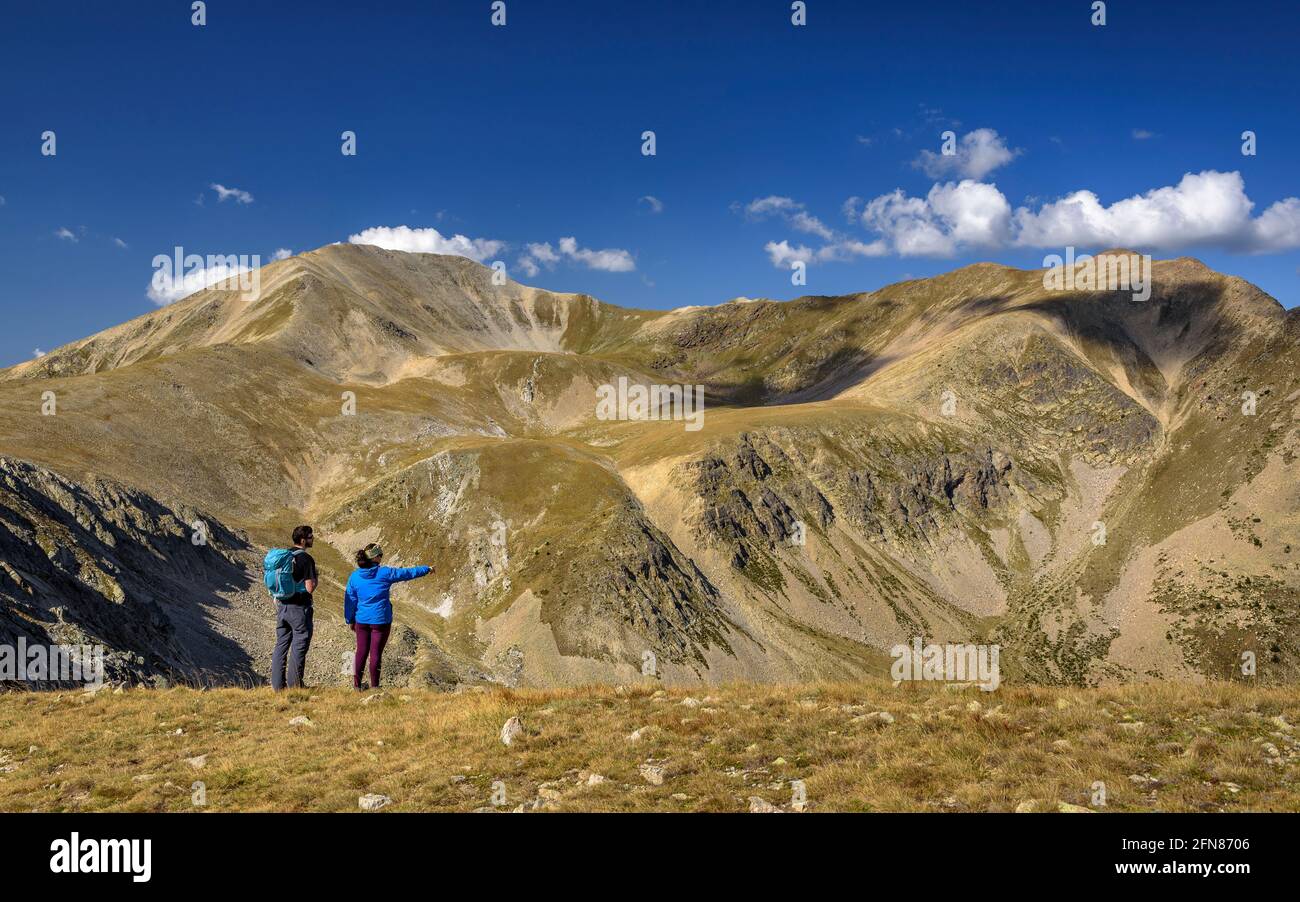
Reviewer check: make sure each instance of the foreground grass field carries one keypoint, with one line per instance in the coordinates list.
(735, 748)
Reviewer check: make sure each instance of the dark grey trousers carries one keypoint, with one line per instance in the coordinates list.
(293, 629)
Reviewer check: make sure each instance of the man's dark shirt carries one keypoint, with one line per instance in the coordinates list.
(304, 568)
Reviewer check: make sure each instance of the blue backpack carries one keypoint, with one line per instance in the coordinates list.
(277, 573)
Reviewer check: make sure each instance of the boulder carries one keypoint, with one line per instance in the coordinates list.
(511, 731)
(373, 801)
(652, 774)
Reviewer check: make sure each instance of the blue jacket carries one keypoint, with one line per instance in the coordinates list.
(366, 600)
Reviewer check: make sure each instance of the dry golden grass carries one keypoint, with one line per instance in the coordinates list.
(1201, 748)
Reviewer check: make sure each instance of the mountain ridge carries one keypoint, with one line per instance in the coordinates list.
(947, 447)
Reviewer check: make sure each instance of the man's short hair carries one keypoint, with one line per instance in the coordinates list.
(301, 534)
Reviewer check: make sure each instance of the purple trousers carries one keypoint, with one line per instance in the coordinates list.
(371, 639)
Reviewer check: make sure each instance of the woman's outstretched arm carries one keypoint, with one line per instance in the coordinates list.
(402, 574)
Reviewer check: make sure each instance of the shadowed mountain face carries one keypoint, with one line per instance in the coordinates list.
(98, 564)
(1105, 487)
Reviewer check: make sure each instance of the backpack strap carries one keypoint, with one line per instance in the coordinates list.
(298, 587)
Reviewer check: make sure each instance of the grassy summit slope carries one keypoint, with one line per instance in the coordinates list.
(1154, 747)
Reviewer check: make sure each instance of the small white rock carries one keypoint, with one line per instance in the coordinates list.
(874, 717)
(652, 774)
(512, 730)
(372, 801)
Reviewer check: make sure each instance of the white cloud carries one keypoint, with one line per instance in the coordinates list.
(977, 154)
(1277, 228)
(609, 260)
(762, 207)
(654, 204)
(223, 193)
(782, 253)
(537, 255)
(975, 213)
(427, 241)
(848, 248)
(1141, 134)
(544, 253)
(165, 288)
(66, 234)
(119, 242)
(1207, 208)
(2, 200)
(835, 248)
(806, 222)
(38, 353)
(908, 224)
(1204, 209)
(534, 256)
(791, 211)
(282, 254)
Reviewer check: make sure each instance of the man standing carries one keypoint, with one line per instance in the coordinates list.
(293, 616)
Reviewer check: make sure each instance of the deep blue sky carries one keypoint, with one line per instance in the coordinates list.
(531, 132)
